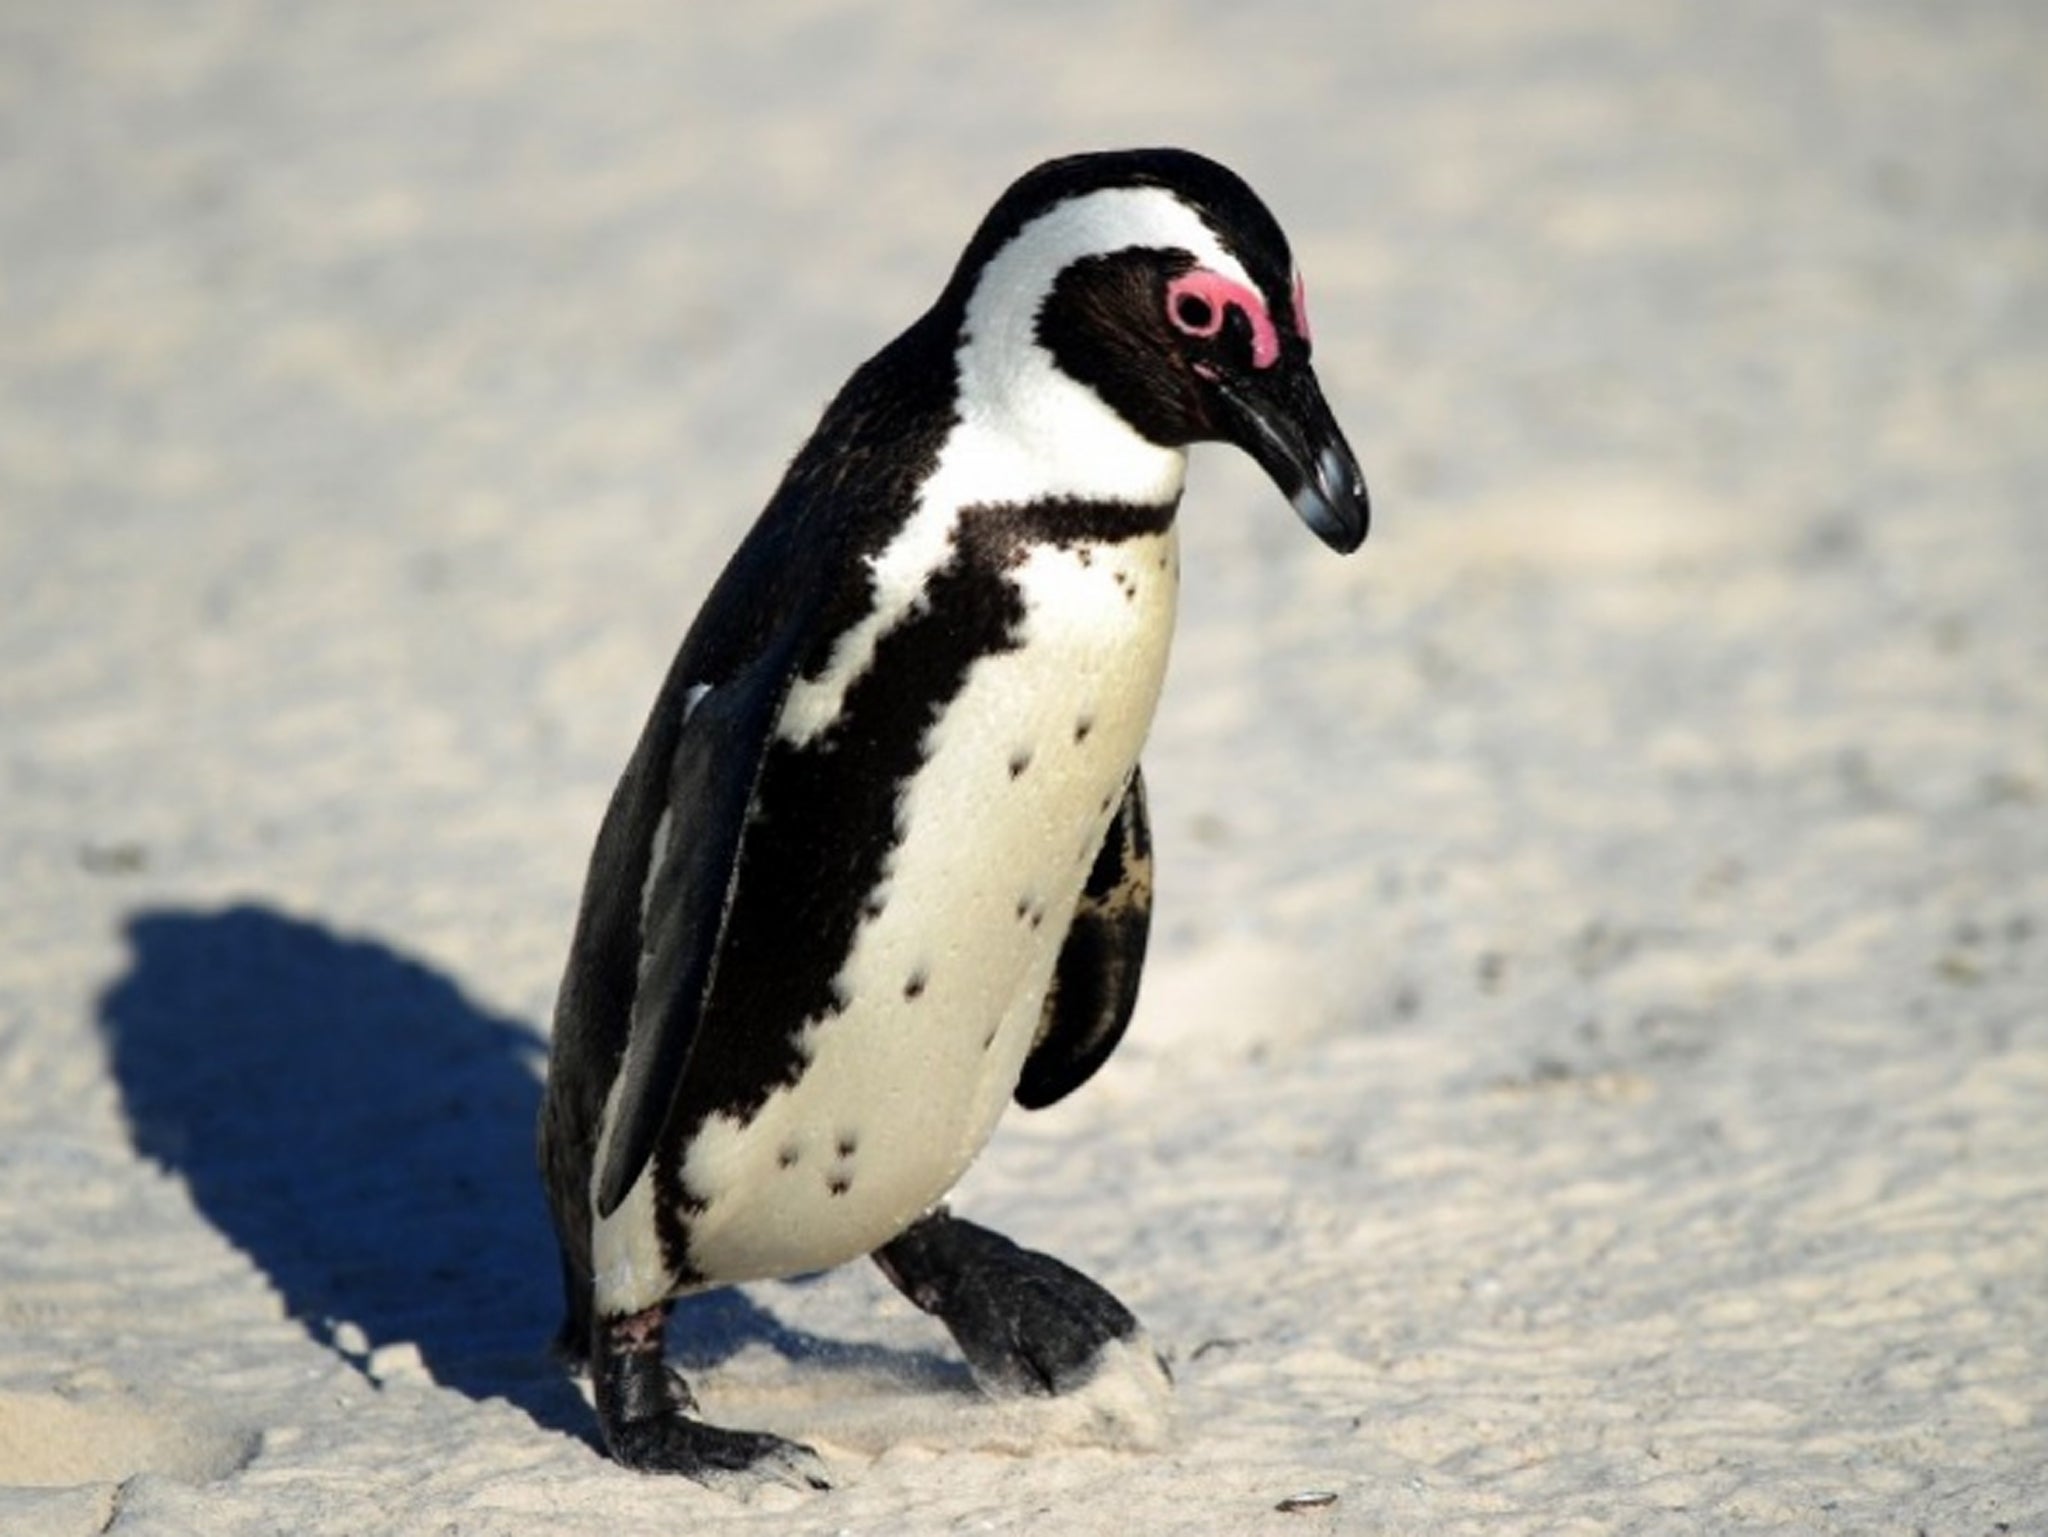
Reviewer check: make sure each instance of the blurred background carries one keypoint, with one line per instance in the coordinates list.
(1657, 800)
(383, 385)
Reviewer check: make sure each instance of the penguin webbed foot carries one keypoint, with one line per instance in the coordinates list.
(644, 1409)
(732, 1461)
(1027, 1324)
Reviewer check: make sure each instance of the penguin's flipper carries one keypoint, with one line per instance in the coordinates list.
(714, 773)
(1095, 985)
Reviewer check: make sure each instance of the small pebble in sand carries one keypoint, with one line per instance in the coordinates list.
(1308, 1499)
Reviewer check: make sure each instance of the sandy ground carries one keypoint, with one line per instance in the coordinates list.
(1594, 1073)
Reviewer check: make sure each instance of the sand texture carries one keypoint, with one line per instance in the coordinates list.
(1593, 1075)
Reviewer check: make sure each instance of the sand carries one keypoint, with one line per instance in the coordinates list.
(1593, 1075)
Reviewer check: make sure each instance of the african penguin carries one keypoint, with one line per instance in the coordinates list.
(879, 863)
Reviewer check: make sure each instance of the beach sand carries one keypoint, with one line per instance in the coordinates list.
(1593, 1072)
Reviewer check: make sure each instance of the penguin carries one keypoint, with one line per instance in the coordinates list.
(880, 863)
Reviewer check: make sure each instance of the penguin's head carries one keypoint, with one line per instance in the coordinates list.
(1155, 284)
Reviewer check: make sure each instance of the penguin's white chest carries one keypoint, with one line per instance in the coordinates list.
(943, 988)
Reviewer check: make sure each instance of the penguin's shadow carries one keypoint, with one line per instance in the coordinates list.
(348, 1119)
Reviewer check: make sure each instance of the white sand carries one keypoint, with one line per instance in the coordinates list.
(1594, 1074)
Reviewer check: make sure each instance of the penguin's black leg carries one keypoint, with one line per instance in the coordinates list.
(1026, 1323)
(644, 1408)
(572, 1341)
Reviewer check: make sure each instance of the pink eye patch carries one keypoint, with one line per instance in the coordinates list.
(1198, 302)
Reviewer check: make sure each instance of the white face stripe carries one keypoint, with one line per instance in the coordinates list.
(1010, 382)
(1027, 431)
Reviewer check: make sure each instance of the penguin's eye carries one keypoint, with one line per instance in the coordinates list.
(1194, 315)
(1200, 302)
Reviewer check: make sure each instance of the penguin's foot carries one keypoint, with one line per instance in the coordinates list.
(1026, 1323)
(644, 1408)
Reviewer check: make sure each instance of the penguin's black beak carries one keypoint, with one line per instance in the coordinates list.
(1279, 417)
